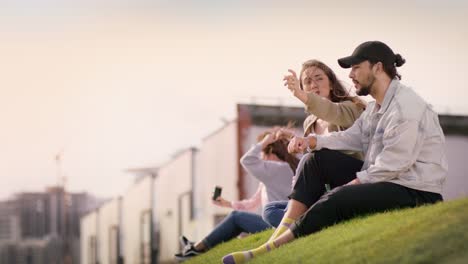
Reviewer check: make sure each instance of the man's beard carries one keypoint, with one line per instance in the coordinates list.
(363, 91)
(366, 89)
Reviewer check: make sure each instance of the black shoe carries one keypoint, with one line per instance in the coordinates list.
(184, 241)
(188, 252)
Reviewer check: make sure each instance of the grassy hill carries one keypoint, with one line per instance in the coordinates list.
(428, 234)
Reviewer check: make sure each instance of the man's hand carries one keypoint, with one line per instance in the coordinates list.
(300, 144)
(220, 201)
(297, 145)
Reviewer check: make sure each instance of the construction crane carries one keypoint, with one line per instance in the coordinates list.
(61, 182)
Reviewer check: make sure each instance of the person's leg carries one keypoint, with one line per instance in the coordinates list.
(244, 256)
(323, 167)
(342, 204)
(231, 226)
(317, 169)
(350, 201)
(250, 222)
(294, 210)
(273, 212)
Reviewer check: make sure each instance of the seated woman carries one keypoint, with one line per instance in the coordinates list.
(269, 162)
(331, 108)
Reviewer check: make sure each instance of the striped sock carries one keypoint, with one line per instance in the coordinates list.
(283, 226)
(244, 256)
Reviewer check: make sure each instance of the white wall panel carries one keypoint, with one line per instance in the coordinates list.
(173, 184)
(89, 229)
(135, 203)
(108, 220)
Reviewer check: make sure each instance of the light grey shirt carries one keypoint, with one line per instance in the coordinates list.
(402, 141)
(275, 175)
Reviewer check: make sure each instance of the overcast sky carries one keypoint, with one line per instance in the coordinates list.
(117, 85)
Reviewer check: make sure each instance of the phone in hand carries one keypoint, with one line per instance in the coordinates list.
(217, 192)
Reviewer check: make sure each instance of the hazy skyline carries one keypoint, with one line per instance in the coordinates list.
(119, 85)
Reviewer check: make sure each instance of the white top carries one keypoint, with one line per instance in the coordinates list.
(402, 141)
(252, 203)
(275, 175)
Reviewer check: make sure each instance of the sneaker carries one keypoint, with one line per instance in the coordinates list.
(184, 241)
(188, 252)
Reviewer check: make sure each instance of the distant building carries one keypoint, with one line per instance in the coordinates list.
(456, 147)
(9, 222)
(43, 227)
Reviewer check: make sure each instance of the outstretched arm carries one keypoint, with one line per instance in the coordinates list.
(342, 114)
(246, 205)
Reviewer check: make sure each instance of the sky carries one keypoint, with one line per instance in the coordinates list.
(122, 84)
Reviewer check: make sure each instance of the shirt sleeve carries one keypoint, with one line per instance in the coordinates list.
(257, 167)
(350, 139)
(251, 203)
(401, 147)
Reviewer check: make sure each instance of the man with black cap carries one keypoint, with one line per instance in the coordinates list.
(403, 143)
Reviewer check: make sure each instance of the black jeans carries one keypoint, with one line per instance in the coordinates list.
(345, 202)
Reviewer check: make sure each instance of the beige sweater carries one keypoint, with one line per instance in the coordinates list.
(339, 116)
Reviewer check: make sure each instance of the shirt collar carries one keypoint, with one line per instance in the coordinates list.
(388, 95)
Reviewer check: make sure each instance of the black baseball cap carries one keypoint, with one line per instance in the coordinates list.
(373, 51)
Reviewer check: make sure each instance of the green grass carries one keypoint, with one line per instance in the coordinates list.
(429, 234)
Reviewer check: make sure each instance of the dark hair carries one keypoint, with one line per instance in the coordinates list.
(338, 93)
(390, 69)
(280, 149)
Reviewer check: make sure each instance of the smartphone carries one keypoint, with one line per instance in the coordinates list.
(217, 192)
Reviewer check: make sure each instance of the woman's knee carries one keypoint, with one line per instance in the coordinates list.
(268, 210)
(233, 216)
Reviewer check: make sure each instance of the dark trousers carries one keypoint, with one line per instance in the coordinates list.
(345, 202)
(234, 224)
